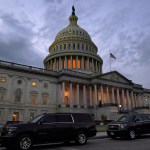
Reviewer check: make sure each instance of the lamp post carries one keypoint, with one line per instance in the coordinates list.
(119, 108)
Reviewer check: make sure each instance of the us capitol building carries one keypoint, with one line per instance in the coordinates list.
(71, 81)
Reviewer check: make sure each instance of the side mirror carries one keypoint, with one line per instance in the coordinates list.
(40, 122)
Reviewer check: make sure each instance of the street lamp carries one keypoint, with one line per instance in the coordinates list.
(119, 108)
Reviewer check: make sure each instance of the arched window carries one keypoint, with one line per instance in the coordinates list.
(18, 95)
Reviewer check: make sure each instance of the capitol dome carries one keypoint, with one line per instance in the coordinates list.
(73, 49)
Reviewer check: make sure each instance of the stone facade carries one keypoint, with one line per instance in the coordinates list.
(72, 81)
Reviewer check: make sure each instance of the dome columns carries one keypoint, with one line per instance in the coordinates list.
(74, 62)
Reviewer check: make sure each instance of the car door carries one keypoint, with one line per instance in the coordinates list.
(47, 128)
(65, 127)
(146, 123)
(139, 124)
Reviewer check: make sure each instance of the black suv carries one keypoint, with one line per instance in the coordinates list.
(47, 128)
(129, 126)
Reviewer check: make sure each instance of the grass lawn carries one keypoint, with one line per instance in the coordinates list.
(101, 128)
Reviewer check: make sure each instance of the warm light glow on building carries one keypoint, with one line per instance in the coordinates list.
(79, 64)
(33, 99)
(74, 63)
(69, 63)
(2, 79)
(34, 84)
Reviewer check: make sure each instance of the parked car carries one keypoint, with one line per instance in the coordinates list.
(46, 128)
(11, 122)
(129, 126)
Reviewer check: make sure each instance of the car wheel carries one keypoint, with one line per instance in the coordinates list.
(132, 134)
(81, 138)
(24, 142)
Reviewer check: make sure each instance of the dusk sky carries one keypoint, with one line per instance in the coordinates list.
(28, 28)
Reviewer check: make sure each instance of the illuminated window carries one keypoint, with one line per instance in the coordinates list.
(79, 64)
(33, 99)
(15, 116)
(2, 79)
(74, 63)
(34, 84)
(69, 65)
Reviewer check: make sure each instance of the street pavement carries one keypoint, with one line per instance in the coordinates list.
(100, 135)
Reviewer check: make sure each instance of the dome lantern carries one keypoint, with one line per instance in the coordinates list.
(73, 18)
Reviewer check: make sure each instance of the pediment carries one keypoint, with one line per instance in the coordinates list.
(115, 76)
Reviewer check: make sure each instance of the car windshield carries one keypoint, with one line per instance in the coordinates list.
(35, 119)
(125, 118)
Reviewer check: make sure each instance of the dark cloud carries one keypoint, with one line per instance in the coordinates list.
(15, 43)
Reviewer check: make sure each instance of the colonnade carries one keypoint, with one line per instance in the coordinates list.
(98, 95)
(74, 62)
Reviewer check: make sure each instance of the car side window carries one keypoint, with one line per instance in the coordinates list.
(138, 118)
(64, 118)
(49, 119)
(145, 118)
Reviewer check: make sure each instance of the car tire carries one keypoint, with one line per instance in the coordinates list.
(24, 142)
(81, 138)
(131, 134)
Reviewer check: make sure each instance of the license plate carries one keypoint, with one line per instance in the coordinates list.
(111, 133)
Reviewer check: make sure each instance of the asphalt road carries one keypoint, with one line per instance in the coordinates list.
(142, 143)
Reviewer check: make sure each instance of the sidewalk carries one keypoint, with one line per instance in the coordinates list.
(100, 135)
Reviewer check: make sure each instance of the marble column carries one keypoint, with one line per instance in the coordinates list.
(71, 62)
(88, 64)
(123, 99)
(78, 105)
(95, 89)
(60, 63)
(65, 63)
(118, 97)
(82, 62)
(76, 62)
(92, 65)
(102, 97)
(140, 98)
(84, 96)
(133, 101)
(108, 100)
(129, 101)
(63, 91)
(55, 64)
(90, 96)
(71, 105)
(113, 97)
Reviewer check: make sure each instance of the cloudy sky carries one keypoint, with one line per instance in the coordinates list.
(28, 27)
